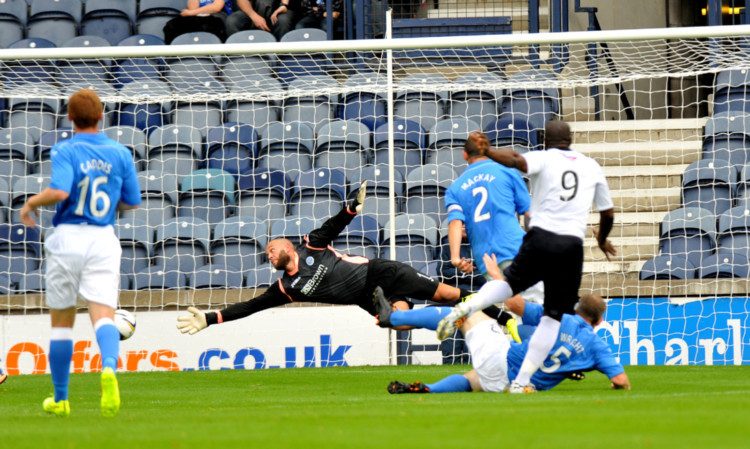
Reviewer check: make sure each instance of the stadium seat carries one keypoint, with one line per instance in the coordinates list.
(667, 267)
(709, 184)
(7, 286)
(169, 277)
(232, 147)
(154, 14)
(136, 239)
(261, 110)
(54, 20)
(361, 237)
(47, 140)
(343, 145)
(287, 147)
(366, 100)
(429, 268)
(201, 115)
(513, 133)
(109, 19)
(445, 143)
(4, 199)
(313, 105)
(159, 192)
(217, 276)
(535, 105)
(240, 242)
(25, 71)
(174, 149)
(727, 136)
(293, 228)
(207, 194)
(418, 99)
(731, 91)
(377, 204)
(262, 194)
(415, 239)
(724, 265)
(16, 152)
(191, 71)
(20, 249)
(35, 114)
(13, 16)
(134, 139)
(243, 66)
(262, 276)
(182, 243)
(21, 190)
(148, 115)
(126, 70)
(425, 190)
(319, 192)
(688, 232)
(291, 66)
(742, 194)
(409, 141)
(733, 232)
(32, 283)
(478, 101)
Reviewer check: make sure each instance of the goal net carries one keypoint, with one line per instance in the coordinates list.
(241, 143)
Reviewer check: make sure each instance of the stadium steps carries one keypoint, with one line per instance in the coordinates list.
(629, 249)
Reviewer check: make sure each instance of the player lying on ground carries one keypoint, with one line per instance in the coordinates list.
(315, 272)
(496, 360)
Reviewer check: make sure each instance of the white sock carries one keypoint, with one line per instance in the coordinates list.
(491, 293)
(540, 344)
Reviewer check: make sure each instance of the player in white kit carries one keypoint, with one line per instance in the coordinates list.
(564, 183)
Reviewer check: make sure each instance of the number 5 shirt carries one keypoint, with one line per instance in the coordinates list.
(564, 183)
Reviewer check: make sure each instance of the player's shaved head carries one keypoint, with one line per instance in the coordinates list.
(85, 108)
(591, 308)
(557, 135)
(279, 253)
(476, 145)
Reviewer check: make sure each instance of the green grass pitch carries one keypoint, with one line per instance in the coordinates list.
(669, 407)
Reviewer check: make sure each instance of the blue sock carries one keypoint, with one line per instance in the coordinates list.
(456, 383)
(108, 338)
(60, 355)
(425, 318)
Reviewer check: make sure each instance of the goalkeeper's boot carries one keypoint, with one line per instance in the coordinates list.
(383, 308)
(576, 375)
(3, 378)
(110, 393)
(397, 387)
(517, 388)
(512, 326)
(59, 408)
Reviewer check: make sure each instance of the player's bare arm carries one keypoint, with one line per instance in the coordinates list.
(507, 157)
(620, 382)
(455, 235)
(48, 197)
(606, 220)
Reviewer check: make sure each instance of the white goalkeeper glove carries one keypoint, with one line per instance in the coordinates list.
(359, 201)
(190, 324)
(447, 326)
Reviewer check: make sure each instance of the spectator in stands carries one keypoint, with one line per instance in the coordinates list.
(200, 15)
(274, 16)
(314, 14)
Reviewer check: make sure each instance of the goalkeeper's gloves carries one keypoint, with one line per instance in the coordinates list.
(447, 326)
(190, 324)
(356, 204)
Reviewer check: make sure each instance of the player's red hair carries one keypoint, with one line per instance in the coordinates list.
(85, 108)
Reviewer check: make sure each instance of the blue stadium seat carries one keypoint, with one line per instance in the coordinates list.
(7, 286)
(262, 276)
(152, 15)
(109, 19)
(709, 184)
(318, 192)
(174, 149)
(232, 147)
(35, 114)
(262, 194)
(726, 136)
(242, 66)
(688, 232)
(169, 277)
(22, 190)
(667, 266)
(127, 70)
(134, 139)
(409, 141)
(377, 204)
(31, 283)
(313, 104)
(343, 145)
(287, 147)
(425, 190)
(415, 239)
(83, 71)
(136, 239)
(16, 152)
(190, 71)
(724, 265)
(146, 116)
(240, 242)
(261, 110)
(20, 249)
(47, 140)
(293, 228)
(530, 102)
(513, 133)
(207, 194)
(291, 66)
(418, 99)
(25, 71)
(159, 192)
(201, 115)
(182, 243)
(217, 276)
(478, 100)
(445, 143)
(361, 237)
(13, 16)
(4, 200)
(733, 232)
(742, 193)
(54, 20)
(366, 101)
(731, 91)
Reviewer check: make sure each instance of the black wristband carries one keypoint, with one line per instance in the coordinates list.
(211, 318)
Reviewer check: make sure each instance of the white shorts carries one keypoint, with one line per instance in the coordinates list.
(534, 294)
(488, 346)
(82, 260)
